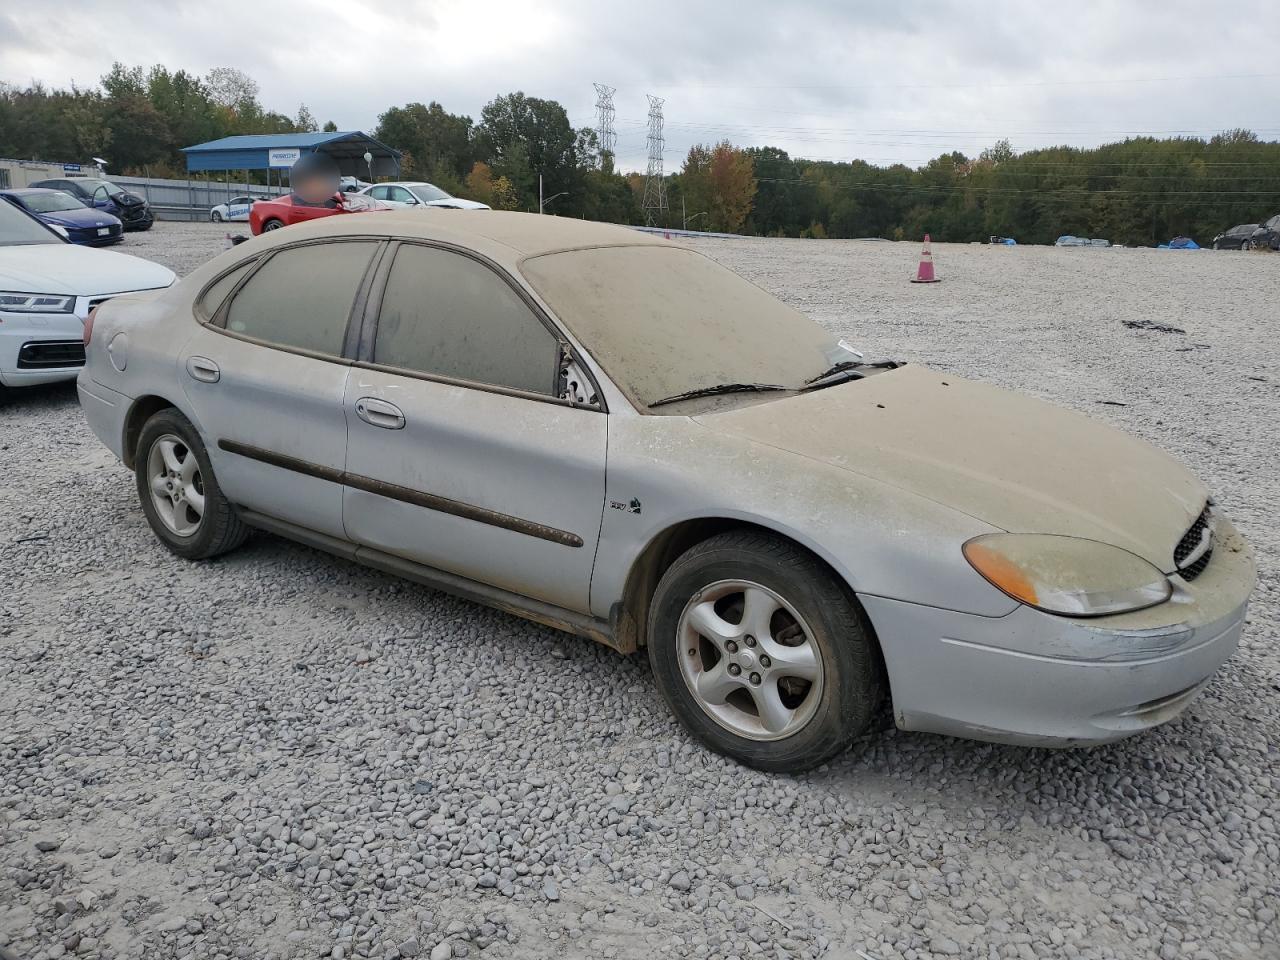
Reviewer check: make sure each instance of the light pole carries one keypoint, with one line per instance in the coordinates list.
(542, 203)
(368, 159)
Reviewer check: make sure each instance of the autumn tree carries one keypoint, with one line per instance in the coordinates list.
(720, 182)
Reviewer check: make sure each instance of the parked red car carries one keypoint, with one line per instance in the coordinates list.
(283, 211)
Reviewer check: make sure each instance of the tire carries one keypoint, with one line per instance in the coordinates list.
(190, 533)
(272, 224)
(813, 623)
(215, 216)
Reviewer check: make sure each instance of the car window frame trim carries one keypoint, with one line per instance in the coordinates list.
(218, 322)
(369, 328)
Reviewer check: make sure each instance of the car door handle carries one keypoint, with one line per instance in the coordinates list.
(202, 368)
(379, 413)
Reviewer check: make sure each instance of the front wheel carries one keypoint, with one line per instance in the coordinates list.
(761, 653)
(216, 217)
(179, 493)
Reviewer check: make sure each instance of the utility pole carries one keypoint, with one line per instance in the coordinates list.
(605, 135)
(685, 219)
(542, 203)
(655, 188)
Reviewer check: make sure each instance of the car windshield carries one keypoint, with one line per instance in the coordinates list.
(427, 192)
(18, 228)
(50, 202)
(664, 321)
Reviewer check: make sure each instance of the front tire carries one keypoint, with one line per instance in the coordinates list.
(762, 653)
(215, 216)
(179, 493)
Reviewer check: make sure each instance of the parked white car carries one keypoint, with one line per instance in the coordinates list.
(405, 195)
(237, 208)
(47, 288)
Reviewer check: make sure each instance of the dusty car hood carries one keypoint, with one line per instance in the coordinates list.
(1014, 462)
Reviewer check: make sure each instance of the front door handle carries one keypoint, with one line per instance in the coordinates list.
(203, 369)
(379, 413)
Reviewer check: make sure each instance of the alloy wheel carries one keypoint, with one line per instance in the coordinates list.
(177, 489)
(750, 660)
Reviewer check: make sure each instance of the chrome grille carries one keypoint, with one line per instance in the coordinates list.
(1194, 550)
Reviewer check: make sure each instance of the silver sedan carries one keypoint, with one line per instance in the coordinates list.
(613, 435)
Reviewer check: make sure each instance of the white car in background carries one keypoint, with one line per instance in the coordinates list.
(237, 208)
(416, 194)
(47, 288)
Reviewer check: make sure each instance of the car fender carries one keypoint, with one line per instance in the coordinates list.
(664, 471)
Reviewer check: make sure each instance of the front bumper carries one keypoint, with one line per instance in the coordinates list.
(40, 348)
(1037, 679)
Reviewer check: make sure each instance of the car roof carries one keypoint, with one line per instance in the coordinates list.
(27, 191)
(503, 236)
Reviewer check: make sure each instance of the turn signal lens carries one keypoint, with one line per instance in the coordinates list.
(1067, 575)
(88, 326)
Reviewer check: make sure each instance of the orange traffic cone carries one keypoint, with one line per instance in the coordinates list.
(925, 272)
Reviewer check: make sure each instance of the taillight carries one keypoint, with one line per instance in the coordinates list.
(88, 326)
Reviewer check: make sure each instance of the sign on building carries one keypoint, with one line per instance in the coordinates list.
(283, 157)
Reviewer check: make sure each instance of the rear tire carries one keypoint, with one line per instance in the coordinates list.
(179, 493)
(272, 224)
(762, 653)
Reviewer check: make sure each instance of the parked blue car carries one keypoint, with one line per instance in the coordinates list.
(85, 225)
(132, 210)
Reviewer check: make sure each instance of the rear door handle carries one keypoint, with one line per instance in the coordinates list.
(379, 413)
(204, 369)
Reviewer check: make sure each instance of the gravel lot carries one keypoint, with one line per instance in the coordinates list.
(280, 754)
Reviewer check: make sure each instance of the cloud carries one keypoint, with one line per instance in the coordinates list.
(822, 78)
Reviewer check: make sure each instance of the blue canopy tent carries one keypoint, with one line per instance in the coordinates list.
(279, 151)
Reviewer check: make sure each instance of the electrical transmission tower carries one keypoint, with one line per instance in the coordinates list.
(604, 125)
(655, 188)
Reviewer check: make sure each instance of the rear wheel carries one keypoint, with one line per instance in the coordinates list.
(179, 493)
(272, 224)
(762, 654)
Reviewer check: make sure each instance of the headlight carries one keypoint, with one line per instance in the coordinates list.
(37, 303)
(1067, 575)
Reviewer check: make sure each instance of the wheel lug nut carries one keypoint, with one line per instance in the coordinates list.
(751, 641)
(755, 679)
(765, 661)
(731, 646)
(734, 669)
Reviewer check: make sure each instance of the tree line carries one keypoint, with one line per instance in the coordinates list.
(1139, 191)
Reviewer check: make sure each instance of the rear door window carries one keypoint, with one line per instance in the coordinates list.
(302, 296)
(448, 315)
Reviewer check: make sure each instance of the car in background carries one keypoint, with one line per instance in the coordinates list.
(268, 215)
(1237, 238)
(1098, 242)
(418, 194)
(1267, 236)
(48, 287)
(84, 225)
(235, 209)
(352, 184)
(132, 211)
(615, 435)
(1070, 241)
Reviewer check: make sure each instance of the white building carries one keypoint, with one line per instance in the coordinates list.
(20, 173)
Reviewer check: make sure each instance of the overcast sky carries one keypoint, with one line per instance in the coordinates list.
(886, 81)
